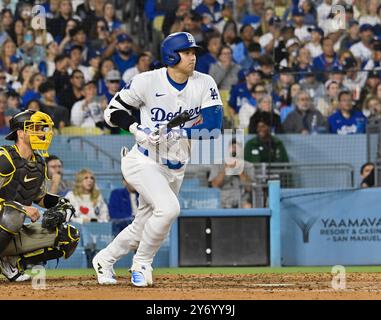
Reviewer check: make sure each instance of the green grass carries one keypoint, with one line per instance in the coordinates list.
(213, 270)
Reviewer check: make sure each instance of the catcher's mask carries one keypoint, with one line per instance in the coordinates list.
(39, 127)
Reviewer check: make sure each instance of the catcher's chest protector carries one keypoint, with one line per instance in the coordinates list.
(26, 182)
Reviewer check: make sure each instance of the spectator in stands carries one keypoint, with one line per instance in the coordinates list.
(87, 199)
(314, 87)
(370, 15)
(64, 43)
(265, 106)
(120, 207)
(211, 11)
(230, 34)
(314, 46)
(3, 81)
(193, 24)
(353, 80)
(34, 105)
(57, 25)
(375, 62)
(266, 65)
(294, 89)
(304, 119)
(378, 91)
(61, 77)
(367, 175)
(8, 50)
(30, 51)
(206, 60)
(252, 58)
(74, 92)
(143, 65)
(243, 90)
(113, 23)
(79, 38)
(17, 32)
(249, 104)
(105, 67)
(122, 52)
(233, 178)
(32, 89)
(240, 49)
(47, 66)
(265, 147)
(352, 36)
(100, 36)
(303, 65)
(326, 61)
(369, 89)
(363, 50)
(268, 40)
(301, 30)
(88, 112)
(59, 114)
(328, 103)
(113, 84)
(290, 59)
(56, 183)
(75, 58)
(176, 16)
(280, 88)
(225, 71)
(255, 15)
(347, 120)
(371, 108)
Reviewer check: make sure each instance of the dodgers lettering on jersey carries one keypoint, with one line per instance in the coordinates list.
(159, 102)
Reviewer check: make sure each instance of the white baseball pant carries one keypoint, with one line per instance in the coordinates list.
(158, 187)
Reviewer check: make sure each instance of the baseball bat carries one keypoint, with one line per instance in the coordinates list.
(176, 121)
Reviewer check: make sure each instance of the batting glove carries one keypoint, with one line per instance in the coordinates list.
(144, 135)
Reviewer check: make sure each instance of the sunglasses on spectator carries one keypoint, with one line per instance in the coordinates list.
(3, 77)
(259, 91)
(114, 81)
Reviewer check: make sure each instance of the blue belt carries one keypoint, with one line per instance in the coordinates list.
(166, 162)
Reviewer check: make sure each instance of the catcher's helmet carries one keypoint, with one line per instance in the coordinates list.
(174, 43)
(37, 124)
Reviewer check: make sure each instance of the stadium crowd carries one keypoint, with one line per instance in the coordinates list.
(313, 65)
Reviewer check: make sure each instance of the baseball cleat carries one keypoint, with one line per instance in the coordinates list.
(141, 275)
(105, 272)
(9, 269)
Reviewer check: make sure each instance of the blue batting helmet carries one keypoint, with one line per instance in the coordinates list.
(174, 43)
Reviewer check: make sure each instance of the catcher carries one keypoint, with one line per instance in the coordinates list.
(23, 173)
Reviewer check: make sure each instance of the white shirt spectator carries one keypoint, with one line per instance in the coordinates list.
(315, 50)
(85, 209)
(86, 115)
(323, 12)
(130, 73)
(360, 51)
(372, 20)
(303, 34)
(245, 113)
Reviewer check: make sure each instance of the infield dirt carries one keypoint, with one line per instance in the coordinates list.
(203, 287)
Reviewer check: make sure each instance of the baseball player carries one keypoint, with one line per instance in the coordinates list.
(23, 176)
(156, 164)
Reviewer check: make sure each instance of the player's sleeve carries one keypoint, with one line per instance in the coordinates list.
(211, 113)
(119, 110)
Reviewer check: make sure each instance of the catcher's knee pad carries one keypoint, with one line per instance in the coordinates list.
(11, 220)
(65, 244)
(12, 217)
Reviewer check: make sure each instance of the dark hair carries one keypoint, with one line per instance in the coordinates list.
(46, 86)
(224, 46)
(51, 158)
(344, 92)
(31, 101)
(254, 47)
(76, 30)
(60, 57)
(75, 71)
(365, 165)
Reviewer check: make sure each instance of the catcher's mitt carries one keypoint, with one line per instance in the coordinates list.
(56, 216)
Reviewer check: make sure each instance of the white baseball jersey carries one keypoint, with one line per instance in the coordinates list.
(159, 102)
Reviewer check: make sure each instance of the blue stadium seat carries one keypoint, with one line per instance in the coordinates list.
(96, 236)
(200, 198)
(190, 183)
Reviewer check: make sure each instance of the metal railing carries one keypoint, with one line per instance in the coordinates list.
(97, 149)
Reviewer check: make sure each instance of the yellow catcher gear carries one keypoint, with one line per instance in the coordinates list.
(38, 125)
